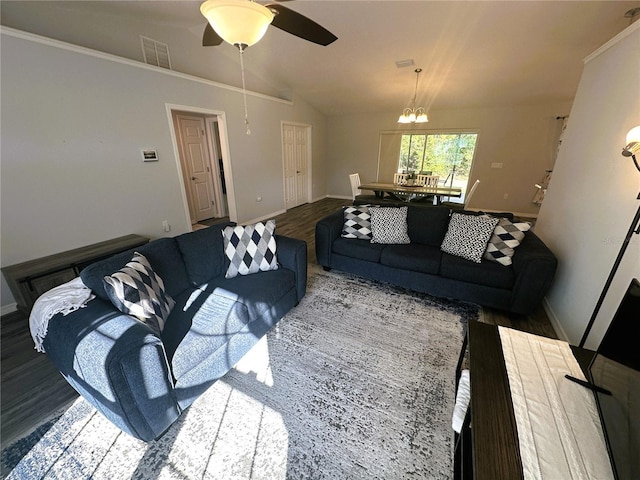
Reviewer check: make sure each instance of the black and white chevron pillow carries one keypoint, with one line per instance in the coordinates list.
(468, 235)
(138, 291)
(357, 222)
(250, 249)
(506, 236)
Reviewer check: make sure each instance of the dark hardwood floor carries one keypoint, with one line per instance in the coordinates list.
(32, 389)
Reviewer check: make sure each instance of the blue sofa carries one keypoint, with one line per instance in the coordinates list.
(423, 267)
(142, 381)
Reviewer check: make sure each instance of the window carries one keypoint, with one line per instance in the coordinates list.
(448, 155)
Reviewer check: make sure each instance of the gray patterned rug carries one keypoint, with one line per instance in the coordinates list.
(356, 382)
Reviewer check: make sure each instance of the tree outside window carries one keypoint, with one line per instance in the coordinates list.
(448, 155)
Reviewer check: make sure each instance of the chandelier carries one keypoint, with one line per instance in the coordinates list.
(412, 114)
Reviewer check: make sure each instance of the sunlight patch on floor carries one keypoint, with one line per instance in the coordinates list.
(256, 361)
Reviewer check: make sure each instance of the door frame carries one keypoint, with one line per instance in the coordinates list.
(220, 208)
(309, 159)
(224, 152)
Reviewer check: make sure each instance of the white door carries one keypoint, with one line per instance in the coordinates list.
(197, 166)
(295, 147)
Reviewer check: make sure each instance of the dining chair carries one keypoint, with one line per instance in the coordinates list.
(427, 180)
(400, 178)
(358, 199)
(465, 202)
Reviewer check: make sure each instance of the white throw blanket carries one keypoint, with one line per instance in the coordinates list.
(559, 429)
(462, 401)
(65, 298)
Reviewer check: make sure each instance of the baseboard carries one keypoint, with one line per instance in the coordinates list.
(555, 321)
(341, 197)
(10, 308)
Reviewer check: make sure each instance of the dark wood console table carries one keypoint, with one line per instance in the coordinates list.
(29, 280)
(487, 447)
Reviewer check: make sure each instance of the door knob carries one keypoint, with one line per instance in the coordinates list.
(193, 178)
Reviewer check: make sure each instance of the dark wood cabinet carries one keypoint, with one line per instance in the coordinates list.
(29, 280)
(487, 448)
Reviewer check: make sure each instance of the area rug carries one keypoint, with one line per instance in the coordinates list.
(356, 382)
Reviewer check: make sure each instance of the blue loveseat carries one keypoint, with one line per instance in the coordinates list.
(142, 381)
(422, 266)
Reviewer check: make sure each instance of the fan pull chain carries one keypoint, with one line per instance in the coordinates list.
(244, 90)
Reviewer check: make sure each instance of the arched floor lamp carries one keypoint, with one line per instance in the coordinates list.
(632, 147)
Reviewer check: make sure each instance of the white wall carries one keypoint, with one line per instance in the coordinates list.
(522, 138)
(592, 196)
(73, 124)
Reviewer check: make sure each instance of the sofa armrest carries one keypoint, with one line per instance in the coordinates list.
(327, 231)
(117, 364)
(292, 255)
(534, 265)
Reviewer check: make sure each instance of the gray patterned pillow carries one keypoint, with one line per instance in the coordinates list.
(136, 290)
(468, 235)
(506, 236)
(389, 225)
(357, 222)
(250, 249)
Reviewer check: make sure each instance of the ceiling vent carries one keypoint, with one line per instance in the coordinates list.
(404, 63)
(155, 53)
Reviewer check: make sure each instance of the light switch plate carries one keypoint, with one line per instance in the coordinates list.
(149, 155)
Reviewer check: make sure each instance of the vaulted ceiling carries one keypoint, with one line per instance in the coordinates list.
(473, 53)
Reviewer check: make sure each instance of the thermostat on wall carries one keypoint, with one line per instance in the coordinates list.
(149, 155)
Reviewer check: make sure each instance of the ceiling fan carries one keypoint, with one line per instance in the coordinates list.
(244, 22)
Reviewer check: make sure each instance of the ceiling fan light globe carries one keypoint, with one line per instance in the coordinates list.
(238, 22)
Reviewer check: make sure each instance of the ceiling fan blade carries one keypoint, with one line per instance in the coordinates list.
(210, 38)
(300, 26)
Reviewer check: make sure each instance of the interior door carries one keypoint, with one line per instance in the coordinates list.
(295, 146)
(195, 157)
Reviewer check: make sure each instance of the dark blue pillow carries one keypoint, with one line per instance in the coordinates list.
(164, 257)
(203, 253)
(427, 225)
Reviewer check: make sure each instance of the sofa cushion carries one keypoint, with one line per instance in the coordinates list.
(427, 225)
(506, 236)
(485, 273)
(207, 317)
(136, 290)
(164, 257)
(360, 249)
(215, 320)
(250, 249)
(357, 222)
(389, 225)
(417, 258)
(203, 253)
(467, 236)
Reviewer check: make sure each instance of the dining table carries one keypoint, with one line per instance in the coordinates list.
(407, 193)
